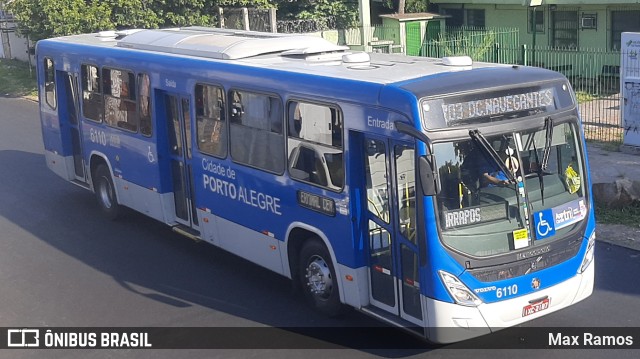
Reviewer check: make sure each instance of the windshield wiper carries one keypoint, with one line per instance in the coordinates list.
(542, 165)
(539, 171)
(488, 149)
(548, 137)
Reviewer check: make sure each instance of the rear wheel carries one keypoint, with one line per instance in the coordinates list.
(105, 192)
(318, 278)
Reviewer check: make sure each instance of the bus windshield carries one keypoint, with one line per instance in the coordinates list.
(484, 211)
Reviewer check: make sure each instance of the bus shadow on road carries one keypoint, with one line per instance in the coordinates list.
(146, 258)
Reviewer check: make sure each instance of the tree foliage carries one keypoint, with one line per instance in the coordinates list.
(45, 18)
(345, 13)
(407, 6)
(49, 18)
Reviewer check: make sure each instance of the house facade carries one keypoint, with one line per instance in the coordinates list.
(565, 24)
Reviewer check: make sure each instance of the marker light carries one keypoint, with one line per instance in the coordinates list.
(458, 291)
(588, 257)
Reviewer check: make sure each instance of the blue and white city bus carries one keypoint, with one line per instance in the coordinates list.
(432, 194)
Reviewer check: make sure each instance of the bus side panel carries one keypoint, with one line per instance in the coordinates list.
(53, 143)
(262, 202)
(151, 203)
(136, 164)
(259, 248)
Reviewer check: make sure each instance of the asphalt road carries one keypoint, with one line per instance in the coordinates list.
(63, 265)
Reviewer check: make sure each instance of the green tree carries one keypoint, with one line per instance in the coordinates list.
(185, 12)
(133, 14)
(49, 18)
(407, 6)
(260, 4)
(46, 18)
(345, 13)
(413, 6)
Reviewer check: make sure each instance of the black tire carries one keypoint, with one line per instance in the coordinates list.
(318, 278)
(105, 192)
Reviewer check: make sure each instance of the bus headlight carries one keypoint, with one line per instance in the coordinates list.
(458, 291)
(588, 257)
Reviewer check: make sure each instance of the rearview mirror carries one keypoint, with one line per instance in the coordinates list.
(429, 179)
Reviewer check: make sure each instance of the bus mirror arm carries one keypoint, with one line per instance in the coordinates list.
(429, 179)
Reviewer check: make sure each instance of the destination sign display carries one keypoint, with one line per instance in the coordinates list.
(494, 106)
(474, 215)
(317, 203)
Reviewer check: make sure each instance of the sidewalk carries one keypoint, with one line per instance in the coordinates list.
(615, 177)
(607, 166)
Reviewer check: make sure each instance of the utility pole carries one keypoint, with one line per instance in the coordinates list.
(366, 31)
(534, 28)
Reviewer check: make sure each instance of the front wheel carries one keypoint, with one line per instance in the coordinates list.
(105, 192)
(318, 278)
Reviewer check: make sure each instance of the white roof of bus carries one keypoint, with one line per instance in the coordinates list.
(297, 53)
(222, 43)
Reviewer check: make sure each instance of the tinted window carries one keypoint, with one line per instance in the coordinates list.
(315, 144)
(144, 84)
(120, 99)
(91, 93)
(50, 83)
(211, 127)
(256, 133)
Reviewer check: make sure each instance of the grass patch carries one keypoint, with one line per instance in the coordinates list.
(629, 215)
(16, 79)
(611, 146)
(585, 96)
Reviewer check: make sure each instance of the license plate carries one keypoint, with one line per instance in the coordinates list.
(535, 307)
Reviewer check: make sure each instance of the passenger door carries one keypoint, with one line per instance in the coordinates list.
(178, 118)
(391, 225)
(68, 112)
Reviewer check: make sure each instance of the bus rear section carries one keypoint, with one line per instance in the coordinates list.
(60, 122)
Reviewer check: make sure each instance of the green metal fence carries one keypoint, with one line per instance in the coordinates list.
(593, 73)
(481, 44)
(595, 77)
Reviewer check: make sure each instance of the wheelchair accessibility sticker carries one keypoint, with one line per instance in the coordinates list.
(544, 223)
(548, 221)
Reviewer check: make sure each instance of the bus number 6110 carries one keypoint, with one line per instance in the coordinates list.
(507, 291)
(97, 136)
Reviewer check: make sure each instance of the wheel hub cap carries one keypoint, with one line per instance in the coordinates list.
(319, 278)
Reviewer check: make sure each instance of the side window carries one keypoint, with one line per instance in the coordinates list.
(377, 179)
(144, 86)
(256, 137)
(210, 120)
(564, 29)
(120, 99)
(91, 93)
(186, 117)
(315, 144)
(50, 83)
